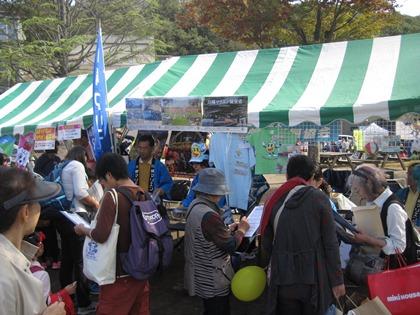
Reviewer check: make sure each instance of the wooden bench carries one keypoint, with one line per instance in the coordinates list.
(361, 161)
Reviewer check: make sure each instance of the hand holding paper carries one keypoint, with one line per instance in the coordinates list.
(243, 225)
(75, 218)
(254, 220)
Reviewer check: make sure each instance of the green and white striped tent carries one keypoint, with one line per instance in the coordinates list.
(352, 80)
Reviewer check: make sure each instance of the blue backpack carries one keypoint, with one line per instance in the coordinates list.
(151, 245)
(60, 201)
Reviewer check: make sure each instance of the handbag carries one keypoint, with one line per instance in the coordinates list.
(398, 289)
(368, 307)
(361, 265)
(100, 259)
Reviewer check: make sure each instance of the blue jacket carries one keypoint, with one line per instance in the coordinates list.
(162, 179)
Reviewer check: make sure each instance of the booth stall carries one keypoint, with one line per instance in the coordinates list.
(295, 95)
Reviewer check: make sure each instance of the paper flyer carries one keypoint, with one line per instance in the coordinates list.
(75, 218)
(44, 139)
(69, 132)
(26, 144)
(254, 220)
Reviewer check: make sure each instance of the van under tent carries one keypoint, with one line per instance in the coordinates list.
(352, 80)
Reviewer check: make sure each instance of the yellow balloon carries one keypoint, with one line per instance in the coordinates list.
(248, 283)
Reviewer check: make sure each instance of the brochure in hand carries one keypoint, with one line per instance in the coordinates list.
(75, 218)
(254, 220)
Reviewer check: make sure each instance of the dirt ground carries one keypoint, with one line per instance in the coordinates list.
(168, 296)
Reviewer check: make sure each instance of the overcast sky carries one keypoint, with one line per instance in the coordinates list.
(409, 7)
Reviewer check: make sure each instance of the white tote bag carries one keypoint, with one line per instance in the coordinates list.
(99, 260)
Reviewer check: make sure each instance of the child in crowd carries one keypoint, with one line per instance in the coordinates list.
(39, 272)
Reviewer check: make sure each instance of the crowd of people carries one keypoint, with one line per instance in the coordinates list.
(299, 246)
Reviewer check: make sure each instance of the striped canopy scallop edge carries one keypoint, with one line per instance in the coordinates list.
(353, 81)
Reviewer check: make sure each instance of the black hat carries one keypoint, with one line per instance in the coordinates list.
(42, 191)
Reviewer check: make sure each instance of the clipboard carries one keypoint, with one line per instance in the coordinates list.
(254, 220)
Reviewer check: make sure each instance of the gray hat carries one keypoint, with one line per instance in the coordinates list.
(211, 181)
(42, 190)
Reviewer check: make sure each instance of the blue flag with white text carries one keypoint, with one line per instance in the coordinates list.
(101, 132)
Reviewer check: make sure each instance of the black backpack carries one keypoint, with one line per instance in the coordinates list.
(179, 189)
(412, 238)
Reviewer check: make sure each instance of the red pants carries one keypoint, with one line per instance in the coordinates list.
(127, 296)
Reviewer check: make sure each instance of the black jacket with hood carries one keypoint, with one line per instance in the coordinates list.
(305, 259)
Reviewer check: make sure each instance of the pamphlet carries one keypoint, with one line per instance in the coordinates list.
(254, 220)
(75, 218)
(28, 250)
(95, 191)
(368, 220)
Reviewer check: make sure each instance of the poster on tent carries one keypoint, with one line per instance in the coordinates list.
(152, 111)
(144, 113)
(181, 111)
(69, 132)
(25, 146)
(164, 113)
(390, 144)
(222, 112)
(310, 132)
(44, 139)
(273, 148)
(134, 108)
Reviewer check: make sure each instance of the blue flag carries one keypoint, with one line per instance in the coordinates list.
(101, 132)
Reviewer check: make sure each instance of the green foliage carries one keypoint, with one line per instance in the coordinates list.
(175, 37)
(269, 23)
(405, 25)
(56, 37)
(316, 21)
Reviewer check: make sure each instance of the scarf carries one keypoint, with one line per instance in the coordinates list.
(281, 192)
(152, 174)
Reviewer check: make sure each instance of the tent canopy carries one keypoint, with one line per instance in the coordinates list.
(352, 80)
(374, 130)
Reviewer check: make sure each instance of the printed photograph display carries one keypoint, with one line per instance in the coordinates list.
(143, 112)
(225, 111)
(152, 110)
(181, 111)
(225, 114)
(134, 108)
